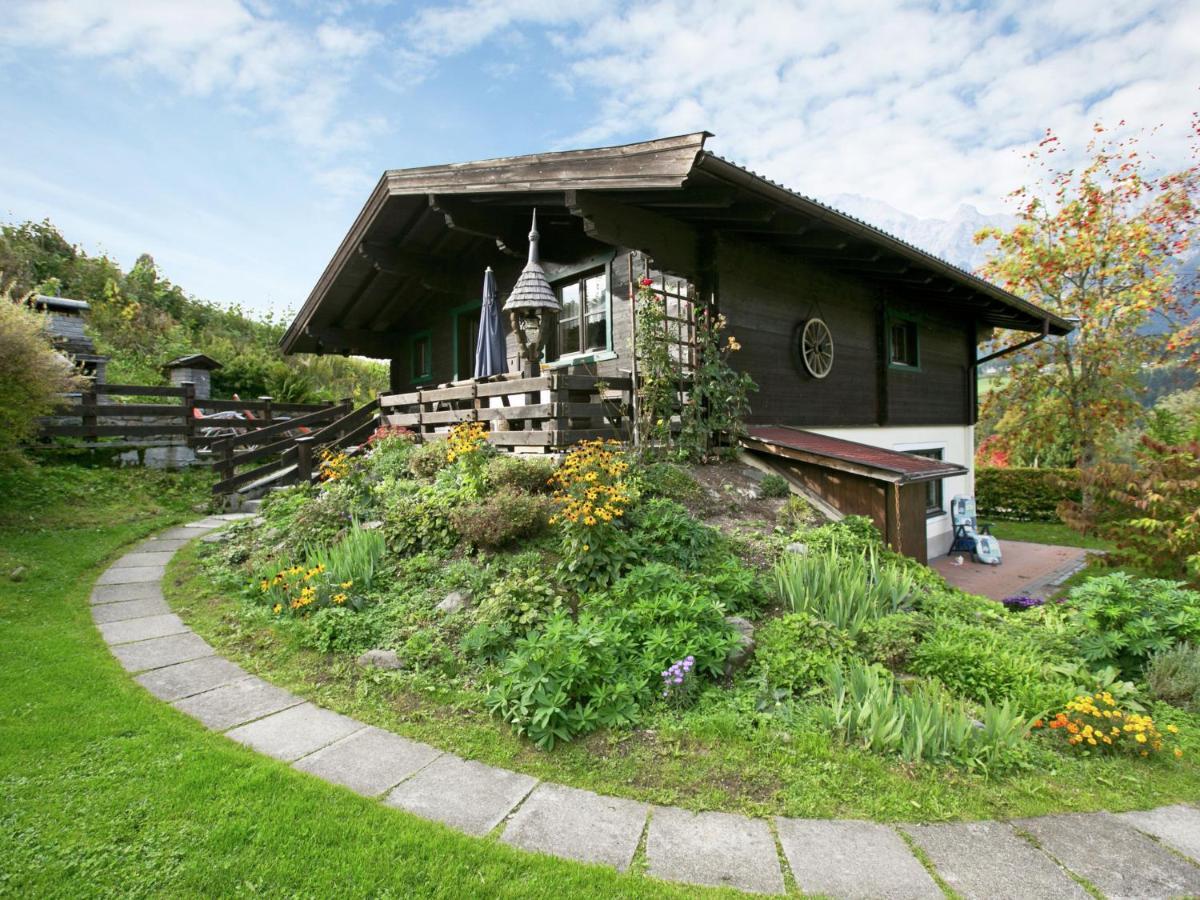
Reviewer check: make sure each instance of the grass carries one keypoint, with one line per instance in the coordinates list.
(703, 760)
(106, 791)
(1046, 533)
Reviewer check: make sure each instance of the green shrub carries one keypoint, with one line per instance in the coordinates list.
(1018, 493)
(775, 486)
(391, 457)
(508, 470)
(796, 512)
(853, 534)
(981, 663)
(891, 640)
(336, 629)
(668, 616)
(921, 722)
(795, 651)
(845, 589)
(1174, 677)
(514, 604)
(428, 458)
(502, 518)
(1123, 621)
(566, 679)
(663, 531)
(668, 481)
(416, 516)
(739, 588)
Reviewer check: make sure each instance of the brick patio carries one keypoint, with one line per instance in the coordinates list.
(1034, 569)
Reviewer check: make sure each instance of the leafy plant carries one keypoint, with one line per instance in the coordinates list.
(428, 459)
(1016, 492)
(719, 399)
(1096, 724)
(773, 485)
(508, 470)
(417, 516)
(669, 481)
(663, 531)
(336, 629)
(502, 518)
(794, 652)
(355, 558)
(847, 590)
(891, 640)
(514, 604)
(1174, 676)
(920, 722)
(1123, 621)
(796, 512)
(853, 534)
(566, 679)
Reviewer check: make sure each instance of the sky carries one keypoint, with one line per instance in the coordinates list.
(236, 140)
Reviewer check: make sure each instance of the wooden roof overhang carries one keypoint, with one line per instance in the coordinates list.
(426, 234)
(876, 463)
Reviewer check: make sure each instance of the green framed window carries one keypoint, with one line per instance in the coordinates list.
(420, 353)
(464, 324)
(904, 344)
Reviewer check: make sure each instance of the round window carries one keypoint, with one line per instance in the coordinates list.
(816, 348)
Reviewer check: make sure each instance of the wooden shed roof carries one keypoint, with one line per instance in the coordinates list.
(430, 231)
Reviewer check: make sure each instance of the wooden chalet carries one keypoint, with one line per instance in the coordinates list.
(864, 347)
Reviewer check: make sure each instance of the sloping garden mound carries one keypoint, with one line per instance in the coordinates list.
(584, 622)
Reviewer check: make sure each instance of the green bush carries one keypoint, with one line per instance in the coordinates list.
(739, 588)
(1174, 677)
(982, 664)
(663, 531)
(514, 604)
(773, 485)
(336, 629)
(794, 652)
(921, 722)
(853, 534)
(668, 481)
(416, 516)
(796, 512)
(508, 470)
(390, 458)
(668, 616)
(1018, 493)
(502, 518)
(891, 640)
(845, 589)
(1123, 621)
(565, 680)
(428, 458)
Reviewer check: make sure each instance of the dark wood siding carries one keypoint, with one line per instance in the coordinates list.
(766, 294)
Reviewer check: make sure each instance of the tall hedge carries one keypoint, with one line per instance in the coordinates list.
(1019, 493)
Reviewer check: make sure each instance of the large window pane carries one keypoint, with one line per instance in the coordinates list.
(570, 302)
(597, 333)
(569, 334)
(596, 289)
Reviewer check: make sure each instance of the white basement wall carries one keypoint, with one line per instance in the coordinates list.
(957, 443)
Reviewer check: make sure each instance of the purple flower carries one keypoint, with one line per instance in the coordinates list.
(1021, 601)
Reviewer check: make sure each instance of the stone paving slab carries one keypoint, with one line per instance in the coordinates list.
(185, 532)
(1178, 826)
(237, 703)
(132, 575)
(466, 795)
(129, 609)
(144, 558)
(187, 678)
(118, 593)
(142, 629)
(578, 825)
(989, 860)
(159, 652)
(1114, 857)
(209, 523)
(852, 860)
(161, 545)
(713, 848)
(295, 732)
(369, 762)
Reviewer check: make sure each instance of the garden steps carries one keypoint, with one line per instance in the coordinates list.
(1146, 854)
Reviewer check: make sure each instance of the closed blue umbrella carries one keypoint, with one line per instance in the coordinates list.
(489, 349)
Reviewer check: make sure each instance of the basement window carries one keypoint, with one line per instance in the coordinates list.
(421, 354)
(934, 498)
(903, 349)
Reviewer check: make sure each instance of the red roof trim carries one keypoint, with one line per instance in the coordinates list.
(900, 467)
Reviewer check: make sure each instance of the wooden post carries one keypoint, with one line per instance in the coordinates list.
(189, 410)
(87, 399)
(304, 458)
(268, 413)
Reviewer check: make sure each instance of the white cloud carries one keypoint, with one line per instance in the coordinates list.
(924, 106)
(293, 77)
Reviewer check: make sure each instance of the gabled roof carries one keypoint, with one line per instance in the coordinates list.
(58, 304)
(192, 361)
(432, 229)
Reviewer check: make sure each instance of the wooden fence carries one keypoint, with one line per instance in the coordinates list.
(546, 413)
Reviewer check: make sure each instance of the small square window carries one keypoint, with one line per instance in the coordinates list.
(934, 498)
(903, 345)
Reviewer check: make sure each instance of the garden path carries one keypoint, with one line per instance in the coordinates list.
(1145, 854)
(1027, 569)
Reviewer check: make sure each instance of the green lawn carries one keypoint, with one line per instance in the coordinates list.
(1046, 533)
(106, 791)
(705, 758)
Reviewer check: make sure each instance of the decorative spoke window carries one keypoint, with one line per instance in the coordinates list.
(583, 322)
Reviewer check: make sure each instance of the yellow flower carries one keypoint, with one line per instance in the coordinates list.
(1173, 729)
(1140, 738)
(1178, 753)
(278, 608)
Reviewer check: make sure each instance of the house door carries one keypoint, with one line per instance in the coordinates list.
(466, 335)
